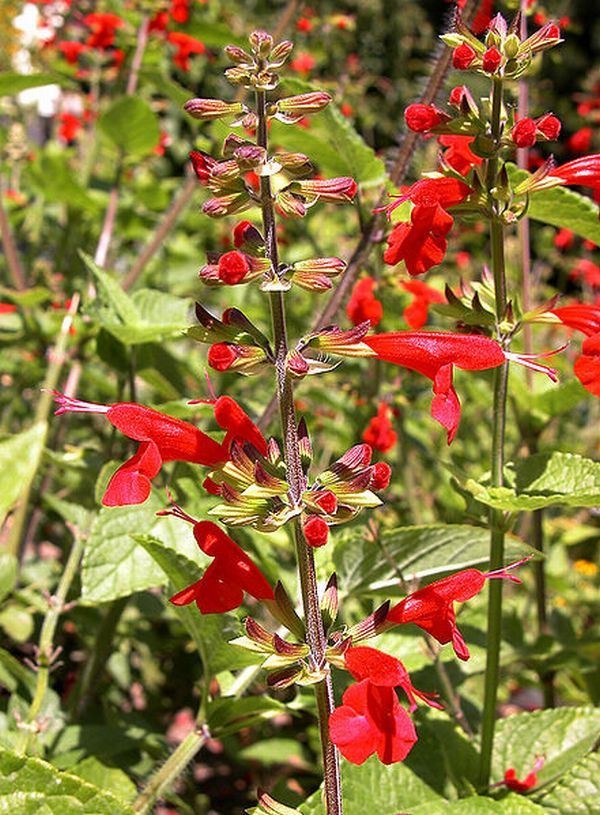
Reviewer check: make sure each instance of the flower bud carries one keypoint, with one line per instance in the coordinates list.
(511, 46)
(238, 55)
(280, 53)
(231, 144)
(304, 103)
(297, 365)
(523, 133)
(238, 76)
(549, 126)
(225, 204)
(208, 109)
(423, 118)
(261, 43)
(491, 60)
(327, 501)
(294, 163)
(382, 474)
(222, 355)
(336, 190)
(329, 266)
(233, 267)
(316, 531)
(463, 56)
(291, 205)
(250, 156)
(456, 96)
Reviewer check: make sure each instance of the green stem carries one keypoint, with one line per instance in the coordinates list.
(496, 518)
(171, 769)
(316, 637)
(46, 652)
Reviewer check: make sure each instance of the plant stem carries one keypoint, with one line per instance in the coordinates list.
(46, 652)
(171, 769)
(306, 565)
(11, 253)
(496, 518)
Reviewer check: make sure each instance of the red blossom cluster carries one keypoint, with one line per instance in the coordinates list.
(363, 305)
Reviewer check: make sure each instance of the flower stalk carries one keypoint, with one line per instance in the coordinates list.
(496, 519)
(306, 564)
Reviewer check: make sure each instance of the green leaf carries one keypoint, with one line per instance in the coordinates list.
(561, 207)
(12, 82)
(229, 714)
(114, 564)
(563, 736)
(415, 552)
(131, 125)
(54, 178)
(543, 480)
(375, 787)
(107, 778)
(479, 805)
(29, 786)
(578, 791)
(331, 141)
(111, 292)
(271, 752)
(210, 632)
(19, 458)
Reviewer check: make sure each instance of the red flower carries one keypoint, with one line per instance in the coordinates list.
(583, 171)
(423, 118)
(222, 355)
(587, 366)
(434, 354)
(180, 11)
(432, 608)
(371, 720)
(203, 164)
(416, 313)
(459, 155)
(70, 125)
(463, 56)
(304, 24)
(457, 95)
(587, 271)
(523, 133)
(363, 305)
(71, 51)
(581, 140)
(159, 22)
(492, 59)
(483, 17)
(380, 434)
(579, 316)
(421, 243)
(316, 531)
(303, 63)
(564, 239)
(103, 28)
(163, 438)
(7, 308)
(185, 46)
(385, 671)
(530, 780)
(230, 575)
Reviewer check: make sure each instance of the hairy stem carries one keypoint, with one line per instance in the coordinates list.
(496, 517)
(46, 652)
(306, 565)
(11, 254)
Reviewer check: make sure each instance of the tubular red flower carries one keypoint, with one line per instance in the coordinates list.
(379, 433)
(459, 155)
(232, 418)
(523, 133)
(587, 366)
(163, 438)
(580, 316)
(363, 305)
(186, 46)
(517, 785)
(316, 531)
(423, 118)
(432, 608)
(463, 56)
(371, 720)
(71, 51)
(416, 313)
(434, 354)
(230, 575)
(327, 501)
(583, 171)
(222, 355)
(103, 28)
(385, 671)
(549, 126)
(203, 165)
